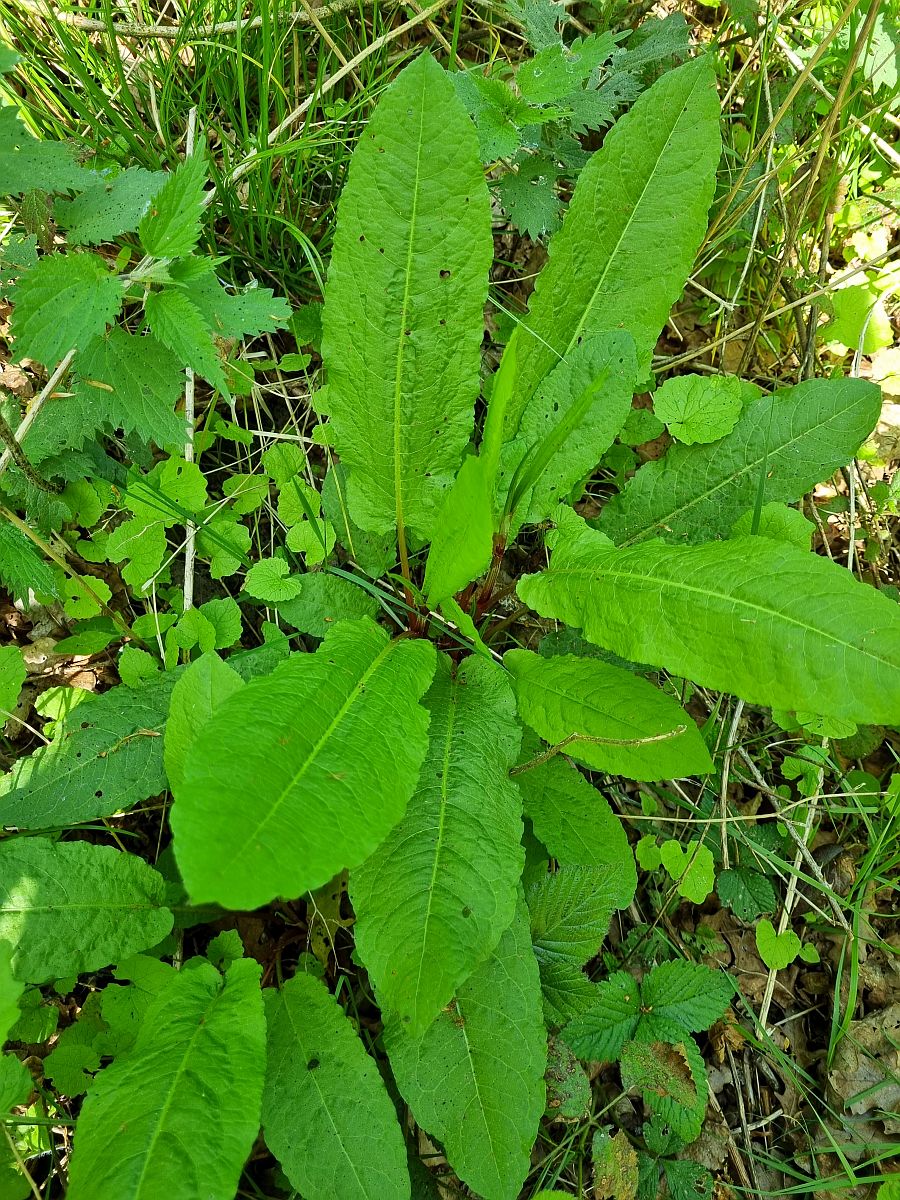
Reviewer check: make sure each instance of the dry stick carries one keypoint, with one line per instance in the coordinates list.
(329, 41)
(595, 741)
(730, 747)
(814, 173)
(35, 407)
(190, 540)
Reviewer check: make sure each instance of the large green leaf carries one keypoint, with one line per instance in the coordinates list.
(81, 286)
(634, 225)
(404, 304)
(108, 756)
(69, 907)
(474, 1080)
(305, 771)
(567, 695)
(177, 1115)
(326, 1114)
(206, 684)
(789, 441)
(434, 898)
(761, 619)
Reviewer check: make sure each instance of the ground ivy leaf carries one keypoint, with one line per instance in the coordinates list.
(433, 900)
(270, 579)
(404, 306)
(285, 785)
(777, 950)
(108, 756)
(326, 1114)
(566, 694)
(699, 408)
(475, 1079)
(69, 907)
(794, 438)
(691, 867)
(199, 691)
(760, 619)
(747, 893)
(171, 229)
(178, 1114)
(111, 207)
(82, 286)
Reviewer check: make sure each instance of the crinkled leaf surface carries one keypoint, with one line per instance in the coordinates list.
(21, 567)
(565, 694)
(81, 286)
(634, 225)
(107, 758)
(326, 1114)
(404, 304)
(761, 619)
(177, 1115)
(434, 898)
(794, 438)
(475, 1079)
(180, 326)
(295, 777)
(682, 997)
(323, 600)
(69, 907)
(203, 686)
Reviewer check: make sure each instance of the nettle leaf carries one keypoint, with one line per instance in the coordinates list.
(404, 306)
(21, 568)
(171, 229)
(574, 821)
(475, 1079)
(435, 897)
(199, 691)
(109, 208)
(178, 324)
(569, 423)
(178, 1114)
(628, 241)
(68, 907)
(747, 893)
(240, 314)
(108, 756)
(326, 1114)
(566, 695)
(761, 619)
(600, 1033)
(27, 164)
(285, 786)
(570, 914)
(528, 194)
(791, 440)
(80, 285)
(699, 408)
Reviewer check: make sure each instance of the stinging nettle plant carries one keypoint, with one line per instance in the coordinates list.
(413, 761)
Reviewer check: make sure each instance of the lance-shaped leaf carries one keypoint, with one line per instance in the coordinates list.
(68, 907)
(781, 447)
(436, 895)
(634, 225)
(475, 1079)
(567, 695)
(404, 305)
(761, 619)
(177, 1115)
(326, 1113)
(305, 771)
(108, 756)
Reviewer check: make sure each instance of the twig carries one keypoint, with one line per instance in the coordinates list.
(35, 407)
(726, 771)
(595, 741)
(190, 541)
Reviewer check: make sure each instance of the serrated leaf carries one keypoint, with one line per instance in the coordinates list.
(566, 991)
(777, 950)
(691, 867)
(237, 314)
(574, 821)
(633, 227)
(177, 1116)
(171, 229)
(12, 676)
(794, 438)
(600, 1033)
(108, 756)
(747, 893)
(323, 600)
(111, 207)
(404, 317)
(433, 900)
(682, 997)
(326, 1114)
(178, 324)
(672, 1079)
(284, 786)
(27, 164)
(80, 285)
(699, 408)
(21, 567)
(199, 691)
(761, 619)
(68, 907)
(530, 197)
(474, 1080)
(567, 695)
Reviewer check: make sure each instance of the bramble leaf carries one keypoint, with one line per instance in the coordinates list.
(326, 1114)
(284, 786)
(600, 1033)
(435, 897)
(682, 997)
(747, 893)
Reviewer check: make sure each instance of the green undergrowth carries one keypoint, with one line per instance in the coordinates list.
(479, 774)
